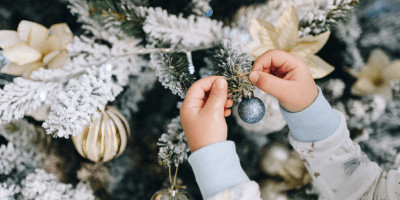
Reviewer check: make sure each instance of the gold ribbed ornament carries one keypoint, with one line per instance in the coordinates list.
(105, 138)
(170, 194)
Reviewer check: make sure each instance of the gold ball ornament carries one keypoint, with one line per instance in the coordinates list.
(273, 190)
(278, 160)
(170, 194)
(273, 159)
(105, 139)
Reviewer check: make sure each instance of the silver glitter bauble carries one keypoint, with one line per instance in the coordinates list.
(272, 121)
(251, 110)
(170, 194)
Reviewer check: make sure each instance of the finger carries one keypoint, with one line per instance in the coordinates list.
(271, 84)
(277, 60)
(228, 103)
(218, 95)
(196, 95)
(227, 112)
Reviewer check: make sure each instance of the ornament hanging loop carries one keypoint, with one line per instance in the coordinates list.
(248, 94)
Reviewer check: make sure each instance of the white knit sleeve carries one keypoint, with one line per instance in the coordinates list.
(245, 191)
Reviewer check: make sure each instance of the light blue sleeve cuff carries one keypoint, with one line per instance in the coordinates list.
(314, 123)
(216, 168)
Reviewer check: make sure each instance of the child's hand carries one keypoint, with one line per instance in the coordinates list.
(286, 77)
(204, 110)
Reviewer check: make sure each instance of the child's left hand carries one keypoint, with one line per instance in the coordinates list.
(204, 110)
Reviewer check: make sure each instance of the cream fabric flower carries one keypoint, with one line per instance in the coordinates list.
(32, 46)
(285, 36)
(376, 76)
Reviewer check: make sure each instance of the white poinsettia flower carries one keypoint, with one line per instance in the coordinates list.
(285, 36)
(33, 46)
(376, 76)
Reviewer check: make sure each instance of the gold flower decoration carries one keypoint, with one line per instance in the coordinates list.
(33, 46)
(285, 36)
(376, 76)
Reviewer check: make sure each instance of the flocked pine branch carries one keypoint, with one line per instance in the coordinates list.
(11, 158)
(179, 32)
(173, 145)
(80, 102)
(22, 96)
(383, 31)
(271, 11)
(173, 72)
(339, 11)
(232, 62)
(88, 56)
(315, 16)
(20, 154)
(349, 32)
(26, 95)
(21, 168)
(200, 7)
(127, 16)
(89, 60)
(86, 52)
(41, 185)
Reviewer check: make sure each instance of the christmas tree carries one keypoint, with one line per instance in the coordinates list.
(91, 89)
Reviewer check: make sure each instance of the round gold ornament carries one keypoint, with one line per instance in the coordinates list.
(273, 190)
(278, 160)
(170, 194)
(105, 138)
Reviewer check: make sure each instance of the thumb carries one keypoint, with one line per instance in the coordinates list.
(270, 84)
(218, 95)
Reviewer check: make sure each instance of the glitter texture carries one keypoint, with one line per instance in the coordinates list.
(251, 110)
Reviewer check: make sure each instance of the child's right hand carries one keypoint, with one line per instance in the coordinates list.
(286, 77)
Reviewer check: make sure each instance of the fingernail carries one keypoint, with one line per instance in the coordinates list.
(221, 83)
(253, 77)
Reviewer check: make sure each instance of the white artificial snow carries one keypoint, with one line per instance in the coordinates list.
(187, 33)
(336, 87)
(80, 103)
(200, 7)
(22, 96)
(77, 90)
(21, 163)
(307, 10)
(349, 32)
(41, 185)
(173, 143)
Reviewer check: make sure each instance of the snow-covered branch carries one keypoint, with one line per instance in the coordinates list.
(172, 71)
(173, 145)
(23, 96)
(315, 16)
(81, 101)
(180, 32)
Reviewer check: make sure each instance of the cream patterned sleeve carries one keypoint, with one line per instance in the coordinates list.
(340, 170)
